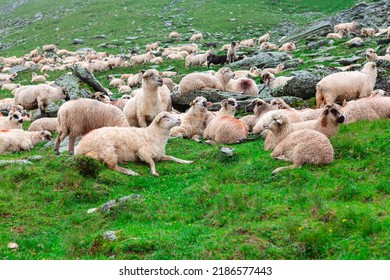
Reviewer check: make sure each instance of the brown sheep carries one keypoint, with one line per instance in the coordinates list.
(114, 145)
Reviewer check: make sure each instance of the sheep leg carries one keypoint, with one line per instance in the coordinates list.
(196, 138)
(72, 139)
(124, 170)
(152, 165)
(61, 136)
(277, 170)
(171, 158)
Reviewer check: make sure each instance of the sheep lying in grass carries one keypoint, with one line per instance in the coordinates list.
(38, 96)
(244, 86)
(336, 87)
(7, 78)
(228, 108)
(136, 79)
(10, 86)
(327, 124)
(300, 147)
(15, 140)
(251, 73)
(197, 36)
(78, 117)
(115, 82)
(337, 36)
(193, 121)
(141, 59)
(152, 47)
(272, 83)
(200, 81)
(148, 101)
(368, 108)
(175, 35)
(259, 107)
(279, 69)
(287, 47)
(123, 89)
(49, 124)
(13, 121)
(265, 38)
(115, 145)
(224, 128)
(38, 78)
(248, 43)
(268, 46)
(371, 55)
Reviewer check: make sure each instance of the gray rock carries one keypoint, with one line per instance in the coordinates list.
(312, 45)
(266, 59)
(78, 41)
(35, 158)
(324, 59)
(13, 161)
(350, 60)
(101, 36)
(19, 68)
(110, 235)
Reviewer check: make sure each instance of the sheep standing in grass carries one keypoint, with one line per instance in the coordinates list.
(175, 35)
(115, 145)
(148, 101)
(346, 85)
(193, 121)
(231, 53)
(196, 59)
(15, 140)
(327, 124)
(197, 36)
(78, 117)
(38, 96)
(265, 38)
(38, 78)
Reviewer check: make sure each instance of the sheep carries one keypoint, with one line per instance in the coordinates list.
(371, 55)
(279, 68)
(15, 140)
(175, 35)
(192, 48)
(38, 96)
(141, 59)
(8, 77)
(148, 101)
(231, 53)
(327, 123)
(157, 60)
(278, 104)
(248, 43)
(197, 36)
(347, 27)
(199, 81)
(50, 48)
(38, 78)
(152, 47)
(337, 36)
(167, 74)
(196, 59)
(114, 145)
(34, 53)
(115, 82)
(357, 41)
(78, 117)
(259, 107)
(13, 121)
(346, 85)
(98, 66)
(13, 61)
(243, 85)
(169, 83)
(64, 52)
(225, 130)
(123, 89)
(228, 108)
(49, 124)
(368, 32)
(367, 108)
(193, 121)
(271, 82)
(174, 56)
(268, 46)
(265, 38)
(10, 86)
(252, 72)
(304, 147)
(216, 59)
(287, 47)
(7, 104)
(100, 96)
(135, 80)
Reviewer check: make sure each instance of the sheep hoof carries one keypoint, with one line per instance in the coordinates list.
(188, 161)
(130, 172)
(210, 142)
(155, 174)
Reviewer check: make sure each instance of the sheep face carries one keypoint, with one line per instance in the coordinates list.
(227, 73)
(45, 135)
(370, 54)
(256, 104)
(230, 104)
(200, 103)
(99, 96)
(267, 77)
(278, 103)
(19, 109)
(152, 78)
(332, 111)
(16, 117)
(166, 120)
(277, 121)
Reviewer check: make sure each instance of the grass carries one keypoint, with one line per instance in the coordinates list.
(219, 207)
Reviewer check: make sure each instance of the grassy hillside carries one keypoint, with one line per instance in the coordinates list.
(219, 207)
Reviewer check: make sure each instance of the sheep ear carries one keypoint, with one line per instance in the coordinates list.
(209, 104)
(158, 119)
(344, 103)
(224, 102)
(373, 65)
(192, 103)
(324, 120)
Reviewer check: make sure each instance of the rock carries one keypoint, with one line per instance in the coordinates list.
(266, 59)
(101, 36)
(78, 41)
(13, 161)
(71, 84)
(303, 85)
(110, 235)
(323, 59)
(19, 68)
(87, 77)
(132, 38)
(13, 245)
(227, 151)
(35, 158)
(350, 60)
(312, 45)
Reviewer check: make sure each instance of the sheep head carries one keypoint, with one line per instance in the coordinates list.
(167, 120)
(230, 104)
(151, 77)
(256, 104)
(332, 111)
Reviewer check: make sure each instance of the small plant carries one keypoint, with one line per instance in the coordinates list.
(88, 167)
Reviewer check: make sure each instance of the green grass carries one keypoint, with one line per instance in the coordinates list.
(219, 207)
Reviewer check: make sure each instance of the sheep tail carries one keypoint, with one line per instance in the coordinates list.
(245, 84)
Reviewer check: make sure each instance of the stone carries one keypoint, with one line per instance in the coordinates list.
(78, 41)
(350, 60)
(265, 60)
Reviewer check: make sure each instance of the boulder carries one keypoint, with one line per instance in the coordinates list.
(265, 60)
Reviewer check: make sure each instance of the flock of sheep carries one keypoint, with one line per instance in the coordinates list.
(137, 126)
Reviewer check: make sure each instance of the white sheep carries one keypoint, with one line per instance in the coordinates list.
(141, 59)
(49, 48)
(193, 121)
(337, 36)
(135, 79)
(49, 124)
(38, 96)
(245, 86)
(265, 38)
(123, 89)
(6, 78)
(115, 82)
(248, 42)
(15, 140)
(115, 145)
(327, 123)
(38, 78)
(279, 69)
(225, 130)
(196, 59)
(287, 47)
(347, 27)
(258, 107)
(175, 35)
(268, 46)
(228, 108)
(231, 53)
(197, 36)
(371, 55)
(336, 87)
(199, 81)
(368, 32)
(10, 86)
(14, 120)
(272, 83)
(152, 47)
(148, 101)
(157, 60)
(78, 117)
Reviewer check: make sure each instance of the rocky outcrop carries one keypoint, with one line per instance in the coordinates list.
(265, 60)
